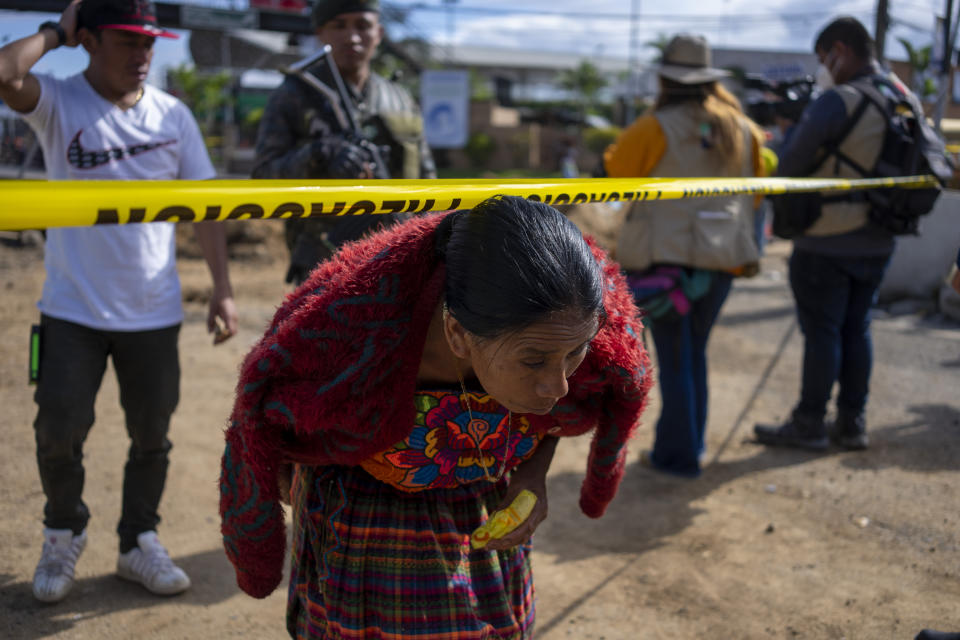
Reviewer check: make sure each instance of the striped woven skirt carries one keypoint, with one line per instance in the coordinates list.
(373, 562)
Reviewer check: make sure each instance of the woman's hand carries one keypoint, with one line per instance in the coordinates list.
(526, 528)
(532, 476)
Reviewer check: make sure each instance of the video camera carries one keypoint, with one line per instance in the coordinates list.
(791, 98)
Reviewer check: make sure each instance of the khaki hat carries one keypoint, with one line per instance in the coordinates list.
(686, 59)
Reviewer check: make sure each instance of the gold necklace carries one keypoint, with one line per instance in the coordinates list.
(466, 401)
(506, 446)
(135, 102)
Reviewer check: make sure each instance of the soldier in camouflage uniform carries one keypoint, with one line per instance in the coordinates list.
(304, 132)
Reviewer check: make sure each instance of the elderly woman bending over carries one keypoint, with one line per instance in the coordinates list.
(417, 383)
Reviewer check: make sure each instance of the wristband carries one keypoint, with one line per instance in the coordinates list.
(61, 34)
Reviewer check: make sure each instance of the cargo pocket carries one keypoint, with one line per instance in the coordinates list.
(635, 242)
(717, 242)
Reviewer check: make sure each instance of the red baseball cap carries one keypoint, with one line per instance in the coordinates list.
(137, 16)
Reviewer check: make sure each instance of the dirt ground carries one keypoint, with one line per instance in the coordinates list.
(766, 544)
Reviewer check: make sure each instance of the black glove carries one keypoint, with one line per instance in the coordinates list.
(348, 161)
(379, 156)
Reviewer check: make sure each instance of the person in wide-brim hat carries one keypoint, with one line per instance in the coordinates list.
(687, 60)
(679, 257)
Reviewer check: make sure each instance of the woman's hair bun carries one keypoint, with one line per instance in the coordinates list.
(443, 232)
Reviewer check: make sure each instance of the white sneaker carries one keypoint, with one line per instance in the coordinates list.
(53, 577)
(150, 565)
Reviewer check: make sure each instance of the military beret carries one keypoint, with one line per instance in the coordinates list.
(326, 10)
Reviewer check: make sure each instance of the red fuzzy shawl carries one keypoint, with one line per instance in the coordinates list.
(331, 382)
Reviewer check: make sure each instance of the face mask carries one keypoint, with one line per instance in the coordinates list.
(833, 63)
(823, 78)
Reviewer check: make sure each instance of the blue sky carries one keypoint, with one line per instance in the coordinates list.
(598, 27)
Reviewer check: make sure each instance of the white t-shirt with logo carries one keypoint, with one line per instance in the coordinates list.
(114, 277)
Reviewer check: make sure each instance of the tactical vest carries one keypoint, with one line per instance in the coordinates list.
(863, 145)
(388, 117)
(705, 233)
(391, 118)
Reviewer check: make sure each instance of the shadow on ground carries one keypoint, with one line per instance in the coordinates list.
(99, 596)
(649, 508)
(930, 442)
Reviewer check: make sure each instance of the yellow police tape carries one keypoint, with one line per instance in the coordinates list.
(30, 204)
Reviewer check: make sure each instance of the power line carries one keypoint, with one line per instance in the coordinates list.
(582, 30)
(623, 17)
(917, 6)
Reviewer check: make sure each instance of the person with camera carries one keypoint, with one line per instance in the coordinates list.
(111, 290)
(839, 260)
(305, 132)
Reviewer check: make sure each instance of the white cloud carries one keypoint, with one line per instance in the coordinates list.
(564, 25)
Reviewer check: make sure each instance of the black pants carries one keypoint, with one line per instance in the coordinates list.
(834, 295)
(72, 365)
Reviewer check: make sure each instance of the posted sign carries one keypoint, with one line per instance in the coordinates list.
(445, 100)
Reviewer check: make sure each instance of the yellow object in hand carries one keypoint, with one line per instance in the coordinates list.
(502, 522)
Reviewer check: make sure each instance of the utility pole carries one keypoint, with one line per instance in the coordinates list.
(947, 40)
(450, 27)
(945, 64)
(880, 33)
(632, 62)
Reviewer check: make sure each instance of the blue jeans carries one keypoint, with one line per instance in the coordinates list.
(681, 344)
(834, 295)
(72, 365)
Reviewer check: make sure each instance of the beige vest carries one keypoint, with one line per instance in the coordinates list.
(862, 145)
(707, 233)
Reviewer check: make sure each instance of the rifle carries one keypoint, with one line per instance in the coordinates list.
(307, 252)
(340, 101)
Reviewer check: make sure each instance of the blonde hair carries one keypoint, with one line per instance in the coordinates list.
(722, 111)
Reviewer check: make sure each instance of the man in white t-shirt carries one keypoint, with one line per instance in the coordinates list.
(111, 290)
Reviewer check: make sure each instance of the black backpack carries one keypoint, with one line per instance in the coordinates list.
(910, 147)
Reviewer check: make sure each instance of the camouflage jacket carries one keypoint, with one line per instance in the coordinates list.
(300, 131)
(300, 128)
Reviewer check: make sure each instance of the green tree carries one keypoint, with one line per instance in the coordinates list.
(403, 59)
(919, 58)
(660, 44)
(597, 140)
(585, 81)
(206, 95)
(479, 87)
(480, 149)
